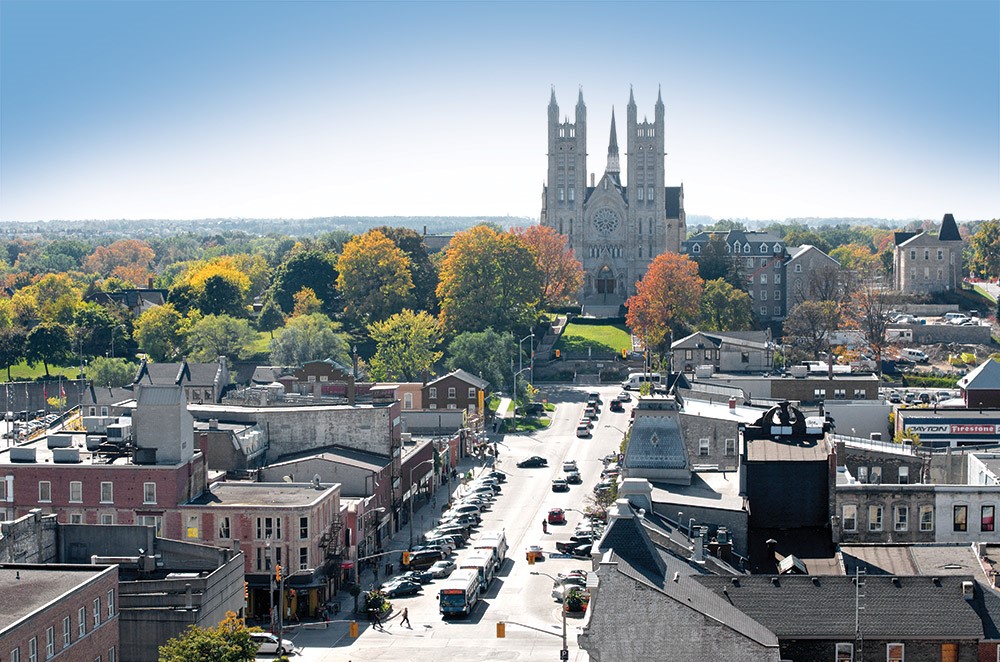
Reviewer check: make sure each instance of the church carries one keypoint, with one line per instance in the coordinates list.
(614, 230)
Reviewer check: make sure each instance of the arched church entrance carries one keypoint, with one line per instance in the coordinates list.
(606, 280)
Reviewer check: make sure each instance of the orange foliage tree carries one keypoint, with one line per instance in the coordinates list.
(562, 273)
(128, 259)
(668, 295)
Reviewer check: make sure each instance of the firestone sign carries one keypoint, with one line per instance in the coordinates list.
(953, 428)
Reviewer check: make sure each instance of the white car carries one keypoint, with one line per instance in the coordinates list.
(442, 569)
(269, 643)
(569, 465)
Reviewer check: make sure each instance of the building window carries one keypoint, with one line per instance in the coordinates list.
(904, 475)
(763, 295)
(940, 254)
(777, 277)
(155, 521)
(572, 193)
(859, 394)
(303, 558)
(472, 393)
(818, 394)
(900, 517)
(696, 248)
(840, 394)
(876, 478)
(81, 623)
(407, 401)
(97, 612)
(849, 519)
(927, 254)
(960, 518)
(224, 529)
(874, 518)
(107, 519)
(913, 254)
(303, 528)
(432, 392)
(688, 354)
(33, 649)
(107, 492)
(44, 491)
(193, 527)
(763, 311)
(15, 655)
(451, 392)
(111, 603)
(862, 474)
(777, 295)
(926, 518)
(433, 405)
(708, 355)
(845, 653)
(763, 279)
(797, 269)
(894, 653)
(67, 632)
(149, 492)
(650, 196)
(730, 447)
(703, 446)
(268, 527)
(111, 654)
(50, 642)
(749, 263)
(986, 518)
(75, 518)
(744, 357)
(75, 491)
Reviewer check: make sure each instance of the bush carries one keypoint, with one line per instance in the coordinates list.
(929, 382)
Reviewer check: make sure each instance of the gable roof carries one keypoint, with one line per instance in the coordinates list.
(751, 339)
(177, 373)
(986, 377)
(900, 238)
(626, 534)
(801, 607)
(464, 376)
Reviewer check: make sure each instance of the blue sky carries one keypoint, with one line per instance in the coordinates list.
(302, 109)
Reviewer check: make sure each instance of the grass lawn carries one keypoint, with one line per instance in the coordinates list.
(601, 337)
(980, 290)
(22, 372)
(262, 345)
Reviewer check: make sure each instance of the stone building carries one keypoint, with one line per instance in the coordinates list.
(615, 229)
(725, 351)
(924, 263)
(812, 275)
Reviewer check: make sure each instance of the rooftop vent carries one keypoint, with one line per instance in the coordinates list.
(968, 590)
(22, 454)
(65, 456)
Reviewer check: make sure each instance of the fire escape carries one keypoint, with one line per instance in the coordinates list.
(332, 544)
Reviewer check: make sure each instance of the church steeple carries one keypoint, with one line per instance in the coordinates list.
(614, 164)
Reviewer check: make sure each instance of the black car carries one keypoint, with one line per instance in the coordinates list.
(419, 576)
(616, 405)
(399, 587)
(533, 462)
(577, 549)
(499, 476)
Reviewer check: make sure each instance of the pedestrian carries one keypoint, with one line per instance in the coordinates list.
(377, 620)
(406, 617)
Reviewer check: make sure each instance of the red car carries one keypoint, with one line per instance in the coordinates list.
(557, 516)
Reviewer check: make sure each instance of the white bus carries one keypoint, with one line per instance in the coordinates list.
(459, 593)
(482, 562)
(495, 543)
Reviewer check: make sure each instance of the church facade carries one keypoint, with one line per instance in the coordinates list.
(614, 229)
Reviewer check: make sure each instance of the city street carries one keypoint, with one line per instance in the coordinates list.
(521, 600)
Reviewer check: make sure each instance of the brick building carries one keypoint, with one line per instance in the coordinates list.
(456, 390)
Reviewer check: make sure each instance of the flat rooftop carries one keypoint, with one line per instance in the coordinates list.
(708, 489)
(811, 449)
(77, 441)
(258, 495)
(721, 411)
(904, 560)
(26, 590)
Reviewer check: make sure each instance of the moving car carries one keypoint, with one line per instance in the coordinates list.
(442, 569)
(569, 465)
(418, 576)
(583, 430)
(560, 485)
(594, 398)
(624, 396)
(574, 477)
(269, 643)
(557, 516)
(398, 587)
(617, 406)
(533, 462)
(534, 553)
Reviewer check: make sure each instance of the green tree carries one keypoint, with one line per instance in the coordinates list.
(984, 248)
(13, 345)
(486, 353)
(112, 372)
(183, 297)
(158, 332)
(725, 308)
(715, 261)
(422, 270)
(213, 336)
(308, 268)
(48, 343)
(229, 641)
(805, 236)
(309, 338)
(406, 345)
(94, 325)
(488, 279)
(271, 317)
(222, 296)
(374, 278)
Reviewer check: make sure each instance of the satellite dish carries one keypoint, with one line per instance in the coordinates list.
(287, 478)
(316, 480)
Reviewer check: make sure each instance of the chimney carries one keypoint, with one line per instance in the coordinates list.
(732, 404)
(149, 282)
(213, 424)
(592, 182)
(698, 543)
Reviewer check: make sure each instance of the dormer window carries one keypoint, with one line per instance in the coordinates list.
(746, 248)
(763, 248)
(777, 248)
(696, 248)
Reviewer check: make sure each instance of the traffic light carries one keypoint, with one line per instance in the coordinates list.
(501, 630)
(624, 353)
(531, 558)
(354, 629)
(406, 558)
(557, 353)
(277, 573)
(246, 590)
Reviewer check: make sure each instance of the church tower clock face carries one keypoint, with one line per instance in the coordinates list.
(606, 221)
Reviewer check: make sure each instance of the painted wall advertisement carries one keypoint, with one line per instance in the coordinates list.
(978, 429)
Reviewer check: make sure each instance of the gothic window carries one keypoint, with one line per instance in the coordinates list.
(562, 132)
(640, 193)
(572, 193)
(650, 197)
(652, 132)
(640, 251)
(561, 193)
(572, 132)
(650, 221)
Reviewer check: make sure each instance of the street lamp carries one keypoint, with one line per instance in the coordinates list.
(514, 394)
(431, 461)
(270, 584)
(564, 654)
(520, 355)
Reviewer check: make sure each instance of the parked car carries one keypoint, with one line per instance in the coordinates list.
(498, 476)
(560, 485)
(446, 544)
(594, 398)
(533, 462)
(591, 412)
(444, 551)
(270, 644)
(399, 587)
(442, 569)
(556, 516)
(534, 553)
(578, 549)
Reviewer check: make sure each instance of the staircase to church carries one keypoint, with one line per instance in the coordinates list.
(600, 311)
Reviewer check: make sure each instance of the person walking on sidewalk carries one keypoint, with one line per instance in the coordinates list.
(406, 617)
(377, 620)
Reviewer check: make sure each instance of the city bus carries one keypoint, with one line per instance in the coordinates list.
(482, 562)
(495, 543)
(459, 593)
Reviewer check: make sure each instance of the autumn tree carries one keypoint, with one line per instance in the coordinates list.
(809, 325)
(306, 303)
(158, 332)
(422, 270)
(48, 343)
(229, 641)
(406, 346)
(725, 308)
(486, 353)
(213, 336)
(309, 338)
(57, 297)
(306, 268)
(868, 311)
(668, 295)
(374, 278)
(562, 273)
(984, 250)
(128, 259)
(488, 279)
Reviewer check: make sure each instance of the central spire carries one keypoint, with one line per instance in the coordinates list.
(614, 166)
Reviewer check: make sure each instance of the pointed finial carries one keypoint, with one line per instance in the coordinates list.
(659, 96)
(631, 97)
(552, 100)
(614, 166)
(579, 100)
